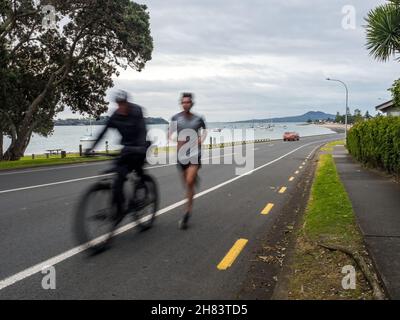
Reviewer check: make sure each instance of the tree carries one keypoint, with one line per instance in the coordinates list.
(339, 118)
(44, 70)
(395, 89)
(383, 32)
(383, 36)
(367, 116)
(357, 116)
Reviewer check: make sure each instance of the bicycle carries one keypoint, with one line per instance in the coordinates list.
(96, 218)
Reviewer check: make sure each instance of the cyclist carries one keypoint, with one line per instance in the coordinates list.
(188, 127)
(129, 121)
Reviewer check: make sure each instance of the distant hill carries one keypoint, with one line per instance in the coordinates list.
(311, 115)
(101, 121)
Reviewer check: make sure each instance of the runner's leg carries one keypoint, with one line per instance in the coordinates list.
(190, 177)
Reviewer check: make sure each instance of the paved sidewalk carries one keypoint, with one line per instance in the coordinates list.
(376, 202)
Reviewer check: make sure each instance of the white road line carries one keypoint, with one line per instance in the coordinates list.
(89, 178)
(68, 254)
(72, 166)
(54, 183)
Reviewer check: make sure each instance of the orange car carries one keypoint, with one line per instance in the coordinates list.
(291, 136)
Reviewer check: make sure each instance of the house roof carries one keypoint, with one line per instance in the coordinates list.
(384, 106)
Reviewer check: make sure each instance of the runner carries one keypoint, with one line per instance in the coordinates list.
(191, 131)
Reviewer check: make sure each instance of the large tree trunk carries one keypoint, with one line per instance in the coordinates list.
(18, 146)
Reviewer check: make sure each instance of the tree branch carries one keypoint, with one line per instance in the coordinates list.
(10, 23)
(23, 41)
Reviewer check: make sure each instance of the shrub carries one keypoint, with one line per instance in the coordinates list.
(376, 143)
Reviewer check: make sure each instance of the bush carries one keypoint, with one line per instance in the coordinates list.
(376, 143)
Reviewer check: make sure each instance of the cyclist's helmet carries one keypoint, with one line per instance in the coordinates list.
(121, 96)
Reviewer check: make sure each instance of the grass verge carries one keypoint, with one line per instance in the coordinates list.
(329, 147)
(40, 161)
(316, 273)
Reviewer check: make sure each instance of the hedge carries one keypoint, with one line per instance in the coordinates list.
(376, 143)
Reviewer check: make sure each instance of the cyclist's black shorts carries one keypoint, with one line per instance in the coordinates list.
(130, 162)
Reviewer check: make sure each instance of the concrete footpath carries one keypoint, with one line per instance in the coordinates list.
(376, 202)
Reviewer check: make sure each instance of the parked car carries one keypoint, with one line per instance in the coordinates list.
(291, 136)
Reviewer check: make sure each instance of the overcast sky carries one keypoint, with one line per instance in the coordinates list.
(257, 59)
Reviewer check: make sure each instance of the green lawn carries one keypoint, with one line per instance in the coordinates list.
(329, 147)
(329, 211)
(41, 160)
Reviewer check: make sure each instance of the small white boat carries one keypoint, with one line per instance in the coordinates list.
(88, 139)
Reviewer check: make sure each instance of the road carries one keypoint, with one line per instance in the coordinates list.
(36, 214)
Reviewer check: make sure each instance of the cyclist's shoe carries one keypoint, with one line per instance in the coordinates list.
(183, 224)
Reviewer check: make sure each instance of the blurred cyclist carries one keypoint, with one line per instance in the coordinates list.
(129, 121)
(190, 138)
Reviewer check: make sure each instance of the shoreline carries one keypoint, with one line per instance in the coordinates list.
(338, 128)
(30, 163)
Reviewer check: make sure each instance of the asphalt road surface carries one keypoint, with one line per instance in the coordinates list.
(204, 262)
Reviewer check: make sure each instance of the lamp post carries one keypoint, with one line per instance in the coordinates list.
(347, 102)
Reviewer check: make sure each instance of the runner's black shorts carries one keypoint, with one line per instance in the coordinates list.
(185, 164)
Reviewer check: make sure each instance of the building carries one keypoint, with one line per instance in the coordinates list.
(389, 108)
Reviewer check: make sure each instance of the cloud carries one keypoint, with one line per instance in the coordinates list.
(257, 58)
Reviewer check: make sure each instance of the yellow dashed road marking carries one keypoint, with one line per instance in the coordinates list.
(267, 209)
(283, 190)
(232, 254)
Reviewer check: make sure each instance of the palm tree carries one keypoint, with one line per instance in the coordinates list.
(383, 31)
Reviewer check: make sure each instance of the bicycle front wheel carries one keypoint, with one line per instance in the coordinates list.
(95, 217)
(146, 199)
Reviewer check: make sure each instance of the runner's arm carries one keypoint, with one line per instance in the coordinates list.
(204, 132)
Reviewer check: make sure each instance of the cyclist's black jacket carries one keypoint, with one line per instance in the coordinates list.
(132, 129)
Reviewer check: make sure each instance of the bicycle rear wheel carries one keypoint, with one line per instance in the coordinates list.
(146, 202)
(95, 217)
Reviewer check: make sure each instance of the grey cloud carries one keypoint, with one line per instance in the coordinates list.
(304, 36)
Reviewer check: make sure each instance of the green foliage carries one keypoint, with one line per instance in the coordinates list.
(351, 119)
(383, 31)
(43, 71)
(376, 143)
(395, 89)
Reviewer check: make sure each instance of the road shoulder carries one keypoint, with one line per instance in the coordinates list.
(265, 273)
(310, 271)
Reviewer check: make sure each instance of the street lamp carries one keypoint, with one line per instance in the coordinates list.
(347, 102)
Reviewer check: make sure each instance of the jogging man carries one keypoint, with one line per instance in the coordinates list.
(129, 121)
(191, 130)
